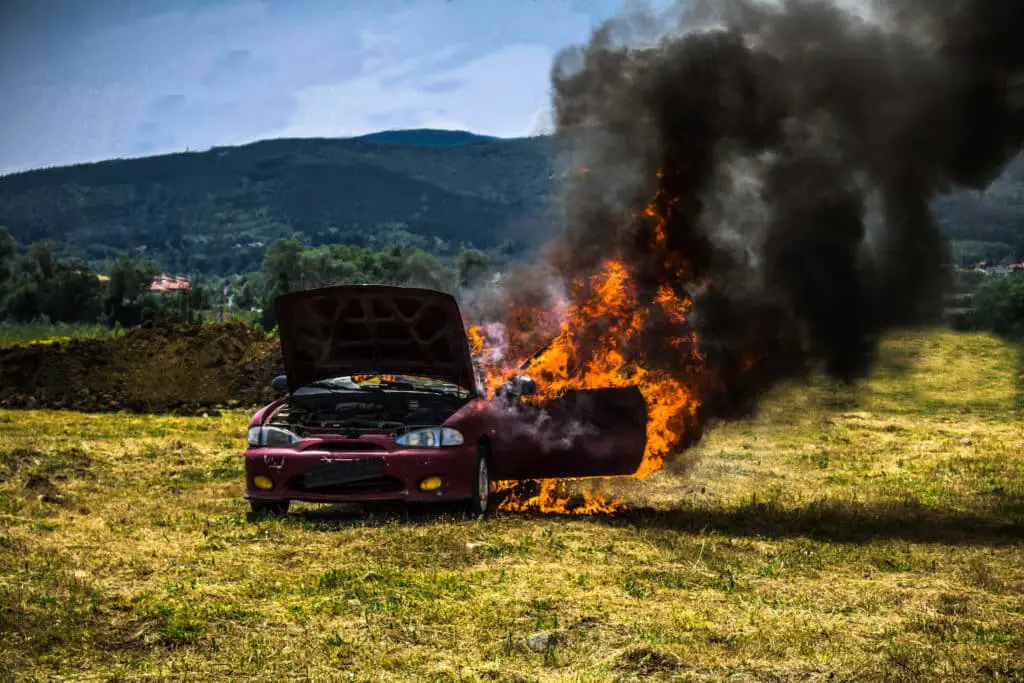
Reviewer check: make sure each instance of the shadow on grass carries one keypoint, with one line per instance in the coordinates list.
(898, 361)
(339, 516)
(834, 522)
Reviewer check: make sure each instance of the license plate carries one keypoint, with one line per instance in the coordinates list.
(344, 472)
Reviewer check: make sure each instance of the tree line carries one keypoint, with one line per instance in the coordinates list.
(997, 305)
(36, 285)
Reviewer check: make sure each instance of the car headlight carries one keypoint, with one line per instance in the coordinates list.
(435, 437)
(274, 437)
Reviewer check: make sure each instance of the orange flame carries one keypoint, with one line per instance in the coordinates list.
(554, 497)
(476, 340)
(598, 346)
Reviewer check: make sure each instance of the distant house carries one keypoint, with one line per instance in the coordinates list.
(990, 268)
(168, 283)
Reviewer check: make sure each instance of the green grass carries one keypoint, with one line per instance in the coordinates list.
(12, 334)
(846, 531)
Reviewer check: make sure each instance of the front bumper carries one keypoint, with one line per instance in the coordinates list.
(403, 472)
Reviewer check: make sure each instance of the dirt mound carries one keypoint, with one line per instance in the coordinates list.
(163, 368)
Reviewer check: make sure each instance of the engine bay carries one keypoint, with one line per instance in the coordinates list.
(361, 411)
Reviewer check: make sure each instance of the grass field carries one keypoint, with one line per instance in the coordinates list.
(855, 533)
(45, 333)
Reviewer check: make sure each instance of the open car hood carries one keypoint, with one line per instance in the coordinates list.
(371, 329)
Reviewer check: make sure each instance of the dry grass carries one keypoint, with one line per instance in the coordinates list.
(43, 333)
(845, 532)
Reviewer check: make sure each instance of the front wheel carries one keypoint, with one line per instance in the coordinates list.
(263, 508)
(480, 503)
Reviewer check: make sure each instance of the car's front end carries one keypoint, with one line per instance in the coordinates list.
(381, 403)
(330, 444)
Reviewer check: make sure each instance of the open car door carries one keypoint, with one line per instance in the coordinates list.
(584, 433)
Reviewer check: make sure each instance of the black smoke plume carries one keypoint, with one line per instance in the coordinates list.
(792, 149)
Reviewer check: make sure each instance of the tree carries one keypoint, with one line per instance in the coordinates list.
(74, 294)
(472, 266)
(40, 286)
(8, 248)
(999, 306)
(282, 272)
(317, 268)
(422, 269)
(41, 259)
(245, 297)
(282, 264)
(129, 281)
(289, 266)
(22, 299)
(200, 297)
(8, 251)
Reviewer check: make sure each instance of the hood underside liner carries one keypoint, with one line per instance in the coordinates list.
(371, 329)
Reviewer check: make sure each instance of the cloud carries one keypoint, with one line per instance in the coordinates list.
(542, 122)
(229, 68)
(496, 94)
(175, 123)
(442, 86)
(168, 105)
(101, 82)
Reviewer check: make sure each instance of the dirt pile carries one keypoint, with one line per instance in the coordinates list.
(164, 368)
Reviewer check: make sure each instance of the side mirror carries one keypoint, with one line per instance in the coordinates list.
(517, 387)
(280, 383)
(527, 386)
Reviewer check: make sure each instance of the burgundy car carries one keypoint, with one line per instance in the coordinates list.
(381, 402)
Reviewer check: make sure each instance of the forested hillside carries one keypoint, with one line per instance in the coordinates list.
(215, 212)
(986, 225)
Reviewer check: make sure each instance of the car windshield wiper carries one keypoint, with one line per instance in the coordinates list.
(407, 386)
(370, 386)
(334, 385)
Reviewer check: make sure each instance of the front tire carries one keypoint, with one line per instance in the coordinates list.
(480, 503)
(263, 508)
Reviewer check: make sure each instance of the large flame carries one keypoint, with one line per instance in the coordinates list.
(598, 346)
(554, 496)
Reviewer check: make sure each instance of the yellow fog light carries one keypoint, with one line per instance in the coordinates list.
(430, 484)
(261, 482)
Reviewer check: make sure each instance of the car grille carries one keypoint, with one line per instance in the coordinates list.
(377, 485)
(346, 446)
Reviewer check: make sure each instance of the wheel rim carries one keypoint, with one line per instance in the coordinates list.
(482, 484)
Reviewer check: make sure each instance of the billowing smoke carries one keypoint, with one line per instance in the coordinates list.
(791, 150)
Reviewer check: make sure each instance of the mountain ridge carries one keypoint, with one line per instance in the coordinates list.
(471, 189)
(213, 211)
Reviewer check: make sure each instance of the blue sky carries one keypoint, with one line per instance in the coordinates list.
(83, 80)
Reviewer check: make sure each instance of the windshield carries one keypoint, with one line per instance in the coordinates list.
(407, 382)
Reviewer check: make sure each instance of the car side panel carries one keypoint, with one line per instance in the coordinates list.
(585, 433)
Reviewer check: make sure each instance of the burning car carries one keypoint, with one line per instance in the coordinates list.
(381, 401)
